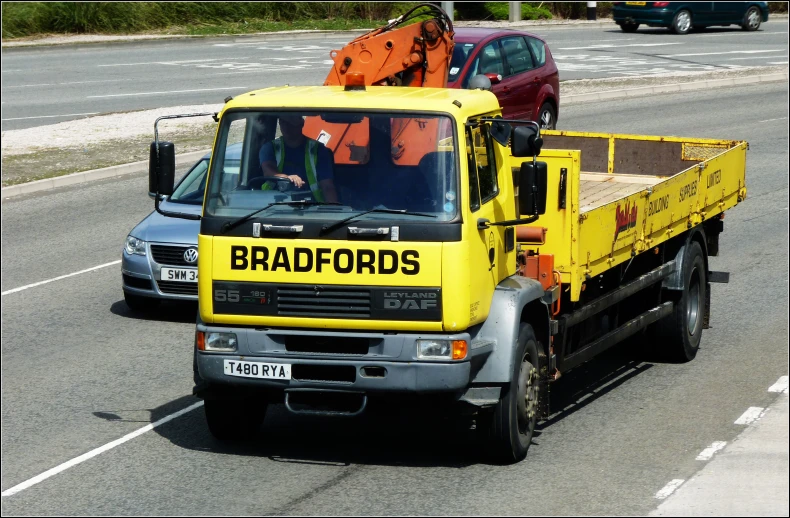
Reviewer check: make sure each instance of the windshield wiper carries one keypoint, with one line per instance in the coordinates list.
(302, 203)
(338, 224)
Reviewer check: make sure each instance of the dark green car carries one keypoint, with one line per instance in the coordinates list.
(681, 17)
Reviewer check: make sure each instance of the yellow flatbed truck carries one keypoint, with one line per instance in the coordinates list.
(468, 279)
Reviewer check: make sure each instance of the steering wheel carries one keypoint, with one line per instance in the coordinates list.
(276, 183)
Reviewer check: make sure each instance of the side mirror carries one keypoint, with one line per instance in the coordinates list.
(533, 179)
(162, 169)
(494, 78)
(525, 142)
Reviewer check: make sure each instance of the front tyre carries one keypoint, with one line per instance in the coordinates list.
(681, 23)
(141, 304)
(752, 19)
(233, 419)
(508, 430)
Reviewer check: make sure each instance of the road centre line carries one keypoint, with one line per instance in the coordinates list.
(97, 451)
(21, 288)
(160, 62)
(609, 46)
(70, 83)
(781, 384)
(771, 120)
(718, 53)
(751, 415)
(169, 92)
(708, 452)
(669, 488)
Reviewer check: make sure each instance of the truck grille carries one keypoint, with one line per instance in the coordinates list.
(178, 288)
(170, 255)
(342, 302)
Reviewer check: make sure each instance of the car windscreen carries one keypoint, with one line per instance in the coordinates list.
(461, 53)
(339, 162)
(191, 188)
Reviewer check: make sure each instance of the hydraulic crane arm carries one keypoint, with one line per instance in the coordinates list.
(396, 55)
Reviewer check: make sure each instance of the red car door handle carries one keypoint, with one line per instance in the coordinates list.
(506, 89)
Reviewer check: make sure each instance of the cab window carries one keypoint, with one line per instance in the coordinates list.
(482, 167)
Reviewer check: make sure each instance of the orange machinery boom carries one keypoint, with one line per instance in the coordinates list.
(413, 55)
(418, 54)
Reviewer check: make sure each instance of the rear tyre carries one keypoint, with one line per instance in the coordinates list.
(752, 19)
(678, 335)
(629, 27)
(138, 303)
(233, 419)
(681, 23)
(547, 117)
(508, 430)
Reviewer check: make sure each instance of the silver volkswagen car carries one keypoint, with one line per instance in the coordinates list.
(159, 259)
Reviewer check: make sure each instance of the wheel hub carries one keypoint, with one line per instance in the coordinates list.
(527, 396)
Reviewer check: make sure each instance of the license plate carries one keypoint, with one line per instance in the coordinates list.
(271, 371)
(634, 3)
(179, 274)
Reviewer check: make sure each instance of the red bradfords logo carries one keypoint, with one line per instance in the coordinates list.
(626, 218)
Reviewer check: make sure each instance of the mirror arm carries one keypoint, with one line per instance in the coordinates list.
(173, 214)
(483, 223)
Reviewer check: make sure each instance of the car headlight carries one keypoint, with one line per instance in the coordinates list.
(134, 246)
(441, 349)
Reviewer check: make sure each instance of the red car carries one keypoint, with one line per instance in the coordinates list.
(523, 74)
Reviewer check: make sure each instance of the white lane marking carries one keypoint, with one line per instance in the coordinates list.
(771, 120)
(718, 53)
(781, 385)
(82, 458)
(70, 83)
(755, 57)
(708, 452)
(753, 414)
(58, 278)
(169, 92)
(618, 46)
(777, 63)
(159, 63)
(669, 488)
(50, 116)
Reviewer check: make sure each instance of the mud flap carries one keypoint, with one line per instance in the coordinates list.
(706, 316)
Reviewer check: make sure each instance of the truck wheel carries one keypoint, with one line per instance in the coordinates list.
(629, 27)
(547, 118)
(752, 19)
(138, 303)
(510, 427)
(233, 419)
(681, 23)
(679, 334)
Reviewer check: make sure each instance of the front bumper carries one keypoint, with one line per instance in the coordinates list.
(387, 362)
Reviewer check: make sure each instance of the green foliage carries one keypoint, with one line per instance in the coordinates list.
(29, 18)
(500, 11)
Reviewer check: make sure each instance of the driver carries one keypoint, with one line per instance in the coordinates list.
(299, 159)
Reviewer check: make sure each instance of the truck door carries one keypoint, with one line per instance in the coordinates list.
(486, 245)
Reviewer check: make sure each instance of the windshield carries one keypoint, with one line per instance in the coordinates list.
(339, 162)
(461, 53)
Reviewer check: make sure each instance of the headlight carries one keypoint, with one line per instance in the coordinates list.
(441, 349)
(226, 342)
(135, 246)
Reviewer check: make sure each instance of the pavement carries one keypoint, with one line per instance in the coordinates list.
(755, 463)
